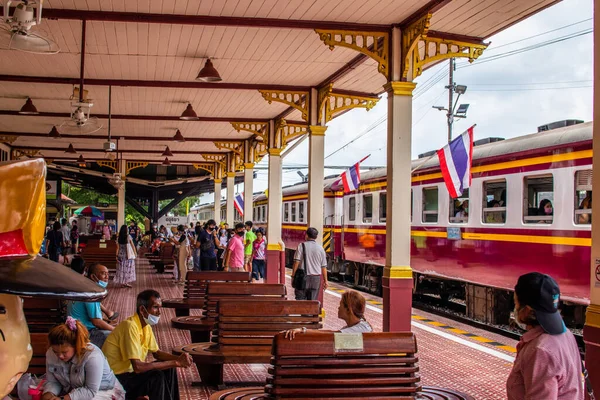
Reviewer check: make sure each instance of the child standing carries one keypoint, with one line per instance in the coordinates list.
(258, 257)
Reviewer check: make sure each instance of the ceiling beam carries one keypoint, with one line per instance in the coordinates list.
(132, 151)
(205, 20)
(120, 137)
(431, 7)
(150, 84)
(137, 117)
(73, 160)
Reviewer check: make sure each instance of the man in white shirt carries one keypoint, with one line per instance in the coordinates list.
(316, 265)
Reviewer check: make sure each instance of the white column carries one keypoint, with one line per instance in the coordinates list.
(274, 201)
(121, 196)
(229, 198)
(217, 201)
(316, 175)
(397, 272)
(248, 190)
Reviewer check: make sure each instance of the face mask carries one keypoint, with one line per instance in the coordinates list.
(103, 284)
(466, 209)
(152, 319)
(210, 229)
(519, 323)
(548, 211)
(240, 233)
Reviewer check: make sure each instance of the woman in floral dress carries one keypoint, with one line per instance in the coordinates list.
(126, 255)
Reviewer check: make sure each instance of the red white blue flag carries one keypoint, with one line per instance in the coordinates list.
(455, 162)
(351, 178)
(238, 203)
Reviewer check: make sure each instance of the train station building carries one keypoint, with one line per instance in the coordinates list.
(162, 100)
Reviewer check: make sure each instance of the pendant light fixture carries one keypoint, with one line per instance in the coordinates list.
(166, 163)
(178, 136)
(28, 108)
(54, 134)
(70, 149)
(209, 73)
(189, 114)
(81, 161)
(167, 152)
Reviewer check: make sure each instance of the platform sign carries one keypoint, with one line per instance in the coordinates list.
(172, 221)
(348, 342)
(454, 233)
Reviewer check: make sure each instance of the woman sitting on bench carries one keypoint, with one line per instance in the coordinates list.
(77, 369)
(351, 310)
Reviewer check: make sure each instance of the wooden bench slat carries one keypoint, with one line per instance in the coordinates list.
(360, 369)
(341, 360)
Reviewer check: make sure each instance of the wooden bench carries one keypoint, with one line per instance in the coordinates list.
(39, 344)
(200, 327)
(244, 333)
(194, 291)
(312, 366)
(43, 314)
(101, 251)
(164, 259)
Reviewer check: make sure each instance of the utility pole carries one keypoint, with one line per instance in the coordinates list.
(450, 87)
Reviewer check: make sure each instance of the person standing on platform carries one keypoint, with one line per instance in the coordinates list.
(258, 256)
(548, 365)
(223, 241)
(196, 247)
(66, 232)
(248, 242)
(234, 257)
(127, 347)
(126, 255)
(208, 245)
(183, 243)
(313, 259)
(55, 242)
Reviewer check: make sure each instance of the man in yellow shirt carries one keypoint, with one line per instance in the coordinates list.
(127, 347)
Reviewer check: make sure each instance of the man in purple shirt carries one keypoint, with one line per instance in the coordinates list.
(548, 364)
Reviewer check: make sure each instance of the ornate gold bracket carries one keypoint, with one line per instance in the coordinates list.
(296, 99)
(49, 160)
(371, 44)
(258, 128)
(108, 164)
(419, 50)
(236, 147)
(260, 150)
(208, 167)
(131, 165)
(218, 158)
(8, 138)
(239, 162)
(17, 153)
(286, 132)
(333, 103)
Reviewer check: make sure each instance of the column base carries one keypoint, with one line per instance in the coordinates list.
(273, 265)
(591, 337)
(397, 304)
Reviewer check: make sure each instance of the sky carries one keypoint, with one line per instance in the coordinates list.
(509, 96)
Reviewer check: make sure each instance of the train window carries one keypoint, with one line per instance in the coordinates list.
(539, 198)
(264, 213)
(367, 208)
(430, 204)
(382, 207)
(583, 197)
(459, 209)
(254, 214)
(286, 212)
(352, 209)
(294, 211)
(494, 202)
(301, 211)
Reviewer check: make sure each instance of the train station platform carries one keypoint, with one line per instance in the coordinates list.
(451, 354)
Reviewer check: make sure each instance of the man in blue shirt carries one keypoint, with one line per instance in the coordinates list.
(90, 313)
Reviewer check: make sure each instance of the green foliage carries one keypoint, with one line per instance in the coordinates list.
(180, 209)
(87, 197)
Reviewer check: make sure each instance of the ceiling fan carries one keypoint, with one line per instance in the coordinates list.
(15, 30)
(80, 122)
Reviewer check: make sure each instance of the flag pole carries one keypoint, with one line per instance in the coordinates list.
(434, 154)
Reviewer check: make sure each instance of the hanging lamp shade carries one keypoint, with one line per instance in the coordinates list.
(167, 152)
(189, 114)
(166, 163)
(81, 161)
(54, 133)
(28, 108)
(178, 136)
(70, 149)
(209, 73)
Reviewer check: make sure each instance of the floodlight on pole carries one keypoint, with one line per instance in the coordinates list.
(460, 89)
(451, 111)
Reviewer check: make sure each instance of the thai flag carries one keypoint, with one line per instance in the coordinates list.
(238, 203)
(351, 178)
(455, 162)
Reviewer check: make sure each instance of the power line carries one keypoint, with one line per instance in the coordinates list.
(528, 89)
(528, 84)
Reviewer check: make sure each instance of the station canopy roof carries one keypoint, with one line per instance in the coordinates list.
(150, 53)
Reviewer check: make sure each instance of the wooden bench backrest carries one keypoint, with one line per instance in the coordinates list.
(310, 367)
(250, 323)
(195, 282)
(39, 344)
(166, 250)
(242, 291)
(93, 253)
(43, 314)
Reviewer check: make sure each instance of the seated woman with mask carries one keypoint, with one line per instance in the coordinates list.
(75, 368)
(351, 310)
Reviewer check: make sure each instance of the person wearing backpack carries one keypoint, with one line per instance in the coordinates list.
(311, 256)
(54, 242)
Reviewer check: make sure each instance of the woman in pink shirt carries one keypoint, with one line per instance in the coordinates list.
(548, 365)
(234, 259)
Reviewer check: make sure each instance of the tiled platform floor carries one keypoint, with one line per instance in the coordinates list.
(446, 358)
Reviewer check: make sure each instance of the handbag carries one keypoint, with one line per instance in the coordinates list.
(299, 282)
(131, 253)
